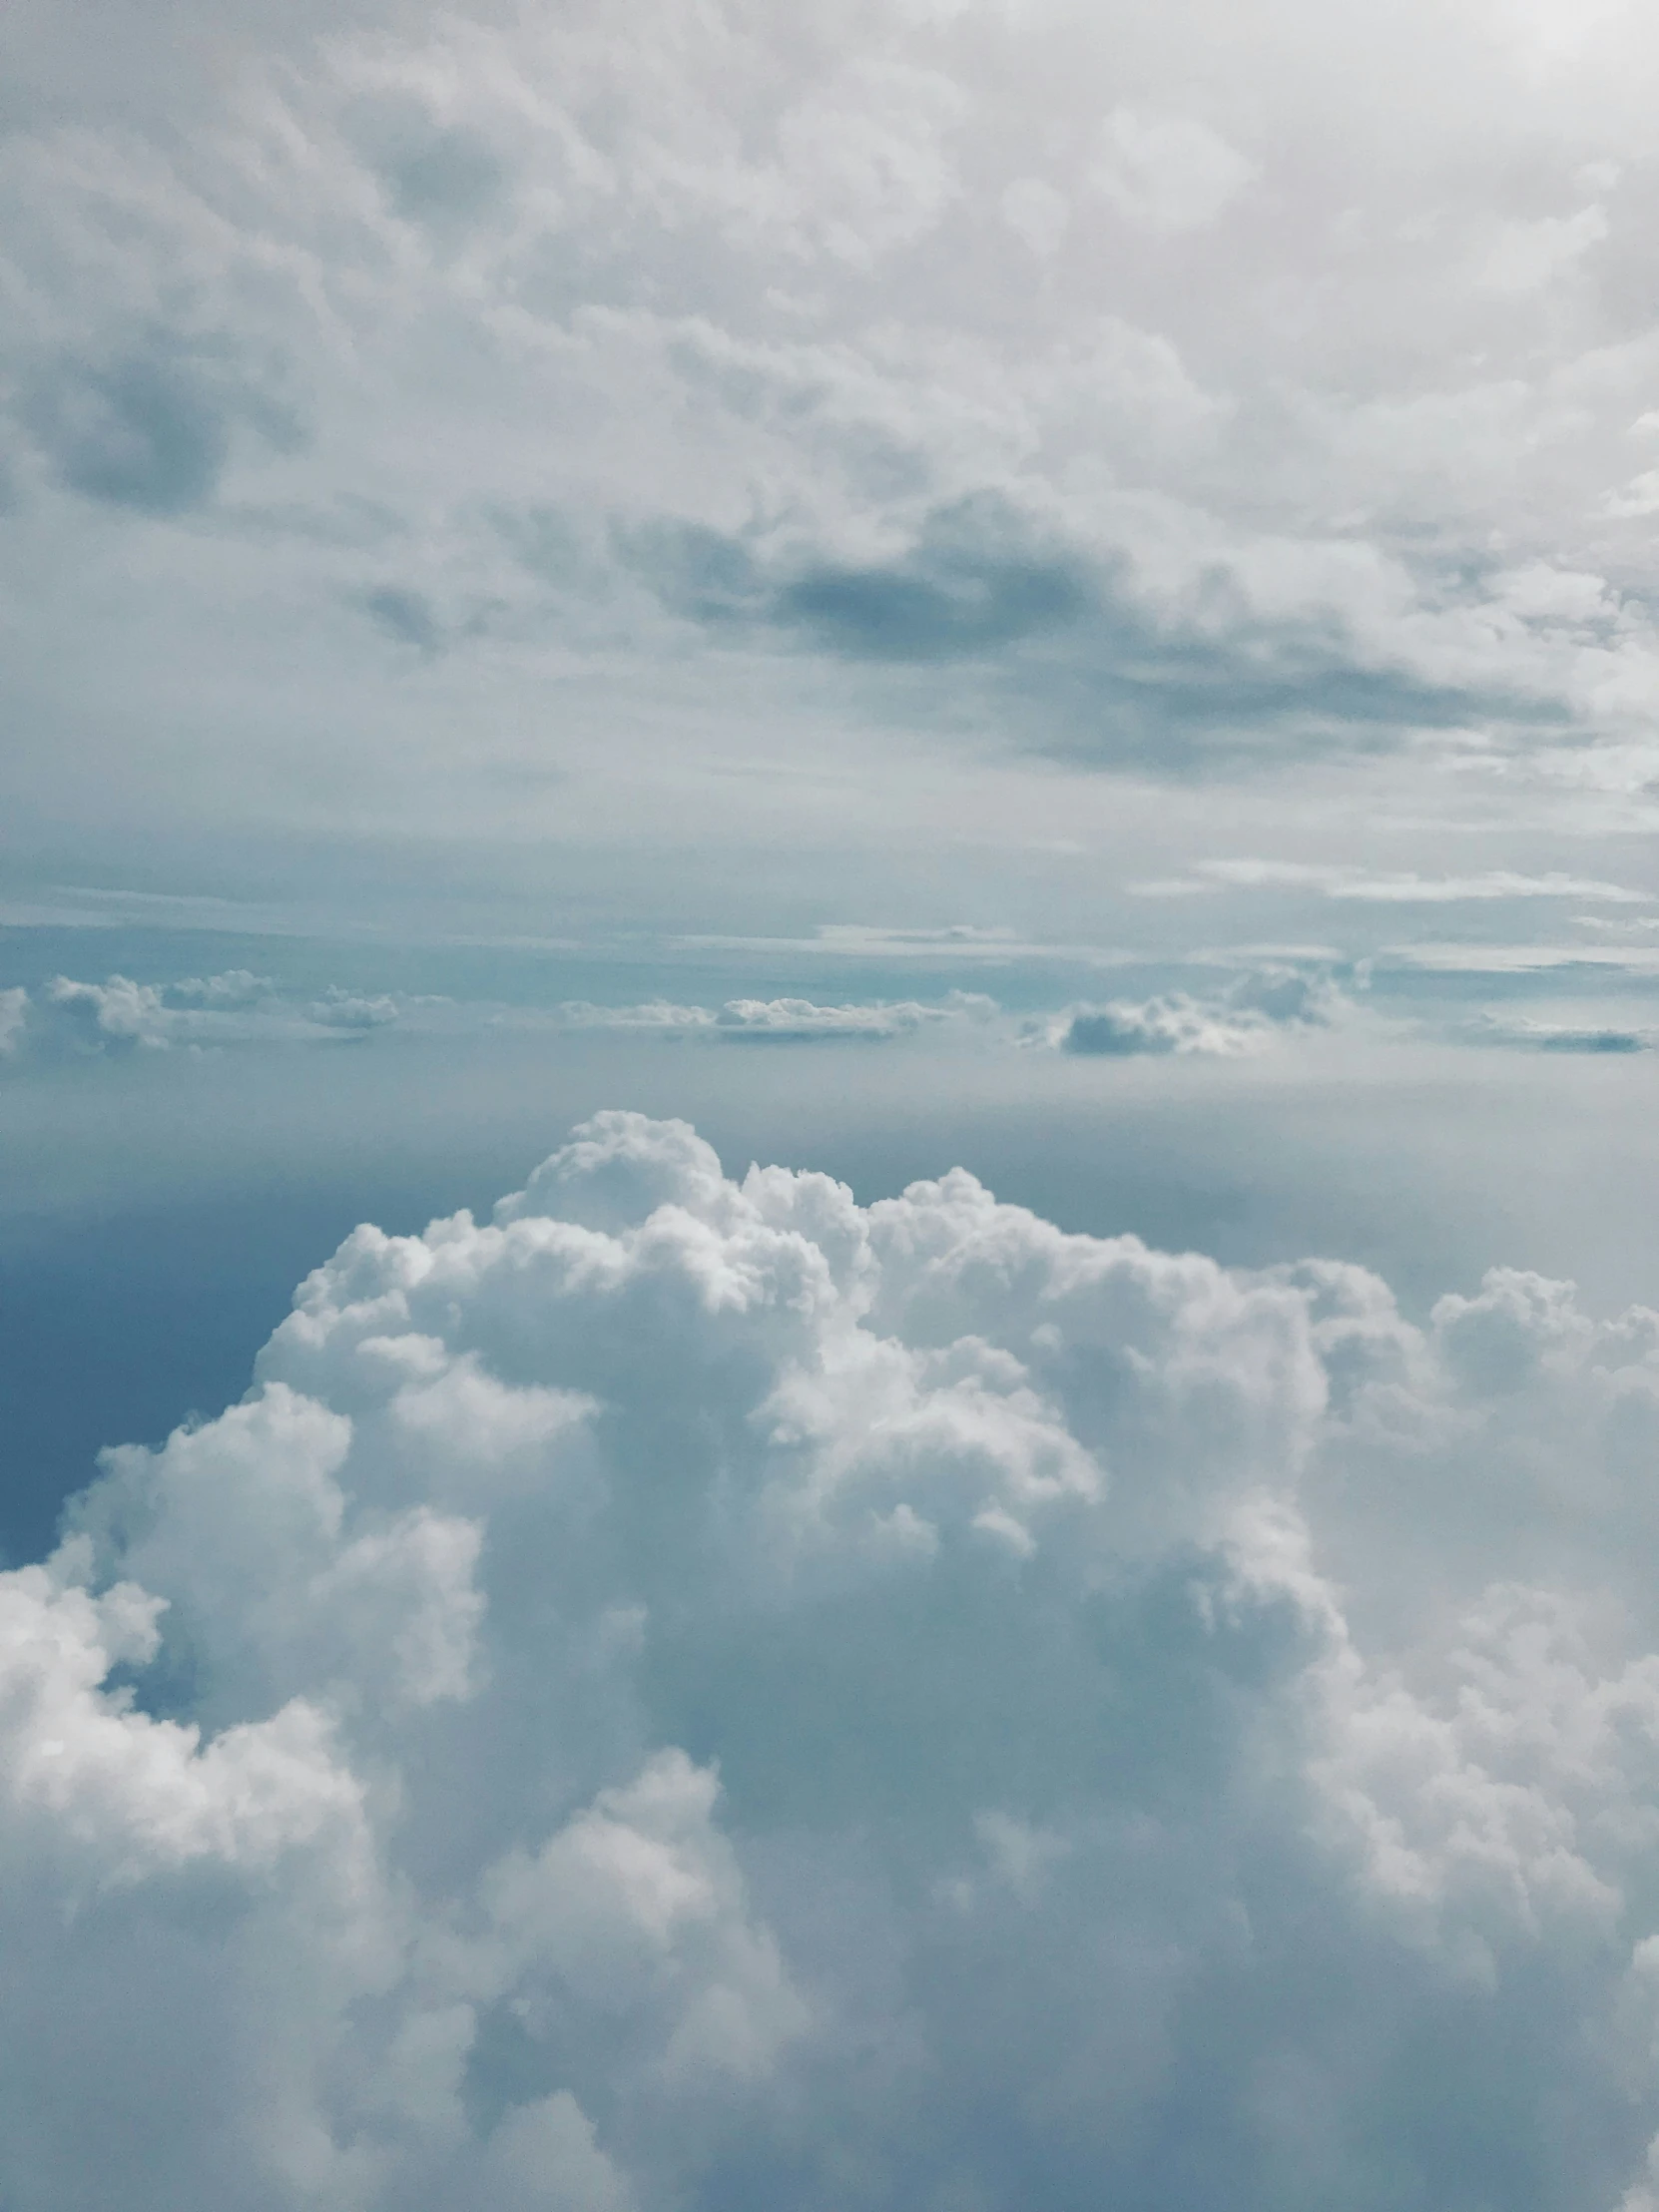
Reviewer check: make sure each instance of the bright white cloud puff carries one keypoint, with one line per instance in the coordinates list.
(699, 1693)
(1246, 1018)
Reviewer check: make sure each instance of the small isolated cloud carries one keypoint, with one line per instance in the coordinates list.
(343, 1009)
(688, 1675)
(1578, 1037)
(782, 1021)
(1124, 1030)
(237, 987)
(1244, 1018)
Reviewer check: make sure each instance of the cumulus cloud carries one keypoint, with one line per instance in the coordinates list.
(344, 1009)
(67, 1018)
(1243, 1018)
(690, 1676)
(116, 1016)
(236, 988)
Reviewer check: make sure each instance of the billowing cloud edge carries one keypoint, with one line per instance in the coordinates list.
(687, 1673)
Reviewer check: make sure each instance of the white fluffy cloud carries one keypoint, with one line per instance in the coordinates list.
(81, 1021)
(697, 1692)
(1244, 1018)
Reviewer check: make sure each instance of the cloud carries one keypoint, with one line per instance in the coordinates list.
(688, 1674)
(148, 426)
(635, 357)
(782, 1021)
(1167, 173)
(119, 1016)
(82, 1020)
(1548, 1036)
(14, 1011)
(954, 604)
(141, 433)
(1092, 652)
(1371, 888)
(343, 1009)
(653, 1014)
(1244, 1018)
(236, 988)
(1123, 1030)
(405, 615)
(799, 1019)
(1521, 959)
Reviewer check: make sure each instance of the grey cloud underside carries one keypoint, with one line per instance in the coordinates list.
(1544, 1036)
(151, 427)
(1056, 651)
(701, 1693)
(140, 433)
(405, 615)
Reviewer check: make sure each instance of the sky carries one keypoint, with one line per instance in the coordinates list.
(829, 976)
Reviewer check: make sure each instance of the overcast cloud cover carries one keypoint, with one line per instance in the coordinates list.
(610, 443)
(913, 581)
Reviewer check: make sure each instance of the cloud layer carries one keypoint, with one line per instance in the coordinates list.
(1175, 392)
(697, 1692)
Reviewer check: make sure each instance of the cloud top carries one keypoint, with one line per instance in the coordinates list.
(690, 1674)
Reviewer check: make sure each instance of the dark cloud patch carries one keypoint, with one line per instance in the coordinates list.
(1151, 695)
(976, 583)
(707, 576)
(1597, 1042)
(1594, 1040)
(149, 424)
(145, 432)
(447, 177)
(984, 620)
(945, 612)
(403, 614)
(1117, 1032)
